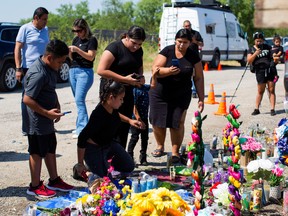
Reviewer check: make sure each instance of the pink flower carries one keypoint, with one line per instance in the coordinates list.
(277, 171)
(195, 137)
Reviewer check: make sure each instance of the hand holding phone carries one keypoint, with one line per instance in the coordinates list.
(137, 76)
(175, 63)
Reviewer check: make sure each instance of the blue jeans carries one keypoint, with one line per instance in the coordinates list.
(81, 80)
(193, 87)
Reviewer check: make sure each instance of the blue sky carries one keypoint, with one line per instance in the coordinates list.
(14, 10)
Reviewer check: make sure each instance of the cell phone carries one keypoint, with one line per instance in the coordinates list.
(175, 63)
(260, 46)
(137, 76)
(67, 112)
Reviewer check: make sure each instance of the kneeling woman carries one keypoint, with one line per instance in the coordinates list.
(95, 142)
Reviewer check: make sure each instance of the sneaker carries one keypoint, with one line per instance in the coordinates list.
(272, 112)
(40, 191)
(59, 184)
(194, 95)
(255, 112)
(75, 136)
(74, 131)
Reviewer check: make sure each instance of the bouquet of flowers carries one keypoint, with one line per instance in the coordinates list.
(276, 176)
(252, 147)
(159, 201)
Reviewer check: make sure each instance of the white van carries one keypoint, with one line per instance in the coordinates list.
(221, 32)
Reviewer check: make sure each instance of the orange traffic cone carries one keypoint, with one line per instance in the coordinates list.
(211, 96)
(222, 106)
(219, 67)
(206, 67)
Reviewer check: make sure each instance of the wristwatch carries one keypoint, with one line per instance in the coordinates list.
(19, 69)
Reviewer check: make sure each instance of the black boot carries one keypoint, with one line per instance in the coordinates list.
(143, 160)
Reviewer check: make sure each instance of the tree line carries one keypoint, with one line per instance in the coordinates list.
(119, 15)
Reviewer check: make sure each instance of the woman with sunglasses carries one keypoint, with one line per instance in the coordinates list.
(260, 58)
(171, 96)
(81, 75)
(95, 143)
(122, 61)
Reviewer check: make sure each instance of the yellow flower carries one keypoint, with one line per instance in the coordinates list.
(139, 197)
(173, 212)
(126, 189)
(147, 210)
(163, 198)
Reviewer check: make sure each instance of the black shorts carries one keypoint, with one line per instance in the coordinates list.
(265, 75)
(42, 144)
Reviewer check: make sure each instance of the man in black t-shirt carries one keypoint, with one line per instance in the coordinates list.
(197, 41)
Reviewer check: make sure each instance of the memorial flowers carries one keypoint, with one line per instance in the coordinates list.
(276, 176)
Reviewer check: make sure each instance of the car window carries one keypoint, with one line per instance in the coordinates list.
(9, 35)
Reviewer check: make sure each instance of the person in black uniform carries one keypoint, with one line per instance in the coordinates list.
(197, 41)
(260, 58)
(170, 97)
(95, 142)
(121, 61)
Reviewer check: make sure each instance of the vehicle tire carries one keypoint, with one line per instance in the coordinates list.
(8, 80)
(215, 60)
(243, 62)
(63, 75)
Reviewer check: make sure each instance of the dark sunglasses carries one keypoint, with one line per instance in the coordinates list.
(78, 30)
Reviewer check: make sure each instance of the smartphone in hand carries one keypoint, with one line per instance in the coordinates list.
(137, 76)
(175, 63)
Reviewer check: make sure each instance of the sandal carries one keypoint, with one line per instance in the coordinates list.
(158, 153)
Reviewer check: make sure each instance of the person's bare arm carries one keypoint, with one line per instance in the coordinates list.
(199, 84)
(103, 70)
(32, 104)
(252, 57)
(18, 60)
(158, 65)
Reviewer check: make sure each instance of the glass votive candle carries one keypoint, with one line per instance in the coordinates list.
(143, 185)
(285, 202)
(135, 185)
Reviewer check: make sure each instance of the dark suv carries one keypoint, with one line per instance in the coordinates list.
(8, 34)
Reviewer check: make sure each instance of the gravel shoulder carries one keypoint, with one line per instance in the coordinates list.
(13, 146)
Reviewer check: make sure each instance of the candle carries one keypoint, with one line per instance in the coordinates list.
(285, 202)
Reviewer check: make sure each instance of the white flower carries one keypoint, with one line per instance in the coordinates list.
(253, 166)
(221, 194)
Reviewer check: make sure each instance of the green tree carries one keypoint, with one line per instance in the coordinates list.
(148, 14)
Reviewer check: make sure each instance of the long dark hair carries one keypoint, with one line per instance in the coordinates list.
(82, 24)
(111, 87)
(184, 33)
(135, 32)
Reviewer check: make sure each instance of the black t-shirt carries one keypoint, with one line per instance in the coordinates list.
(276, 49)
(174, 88)
(198, 37)
(101, 127)
(262, 60)
(85, 45)
(126, 62)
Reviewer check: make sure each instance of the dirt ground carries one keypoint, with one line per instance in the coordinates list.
(15, 175)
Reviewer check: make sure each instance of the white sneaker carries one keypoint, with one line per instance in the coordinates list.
(75, 136)
(74, 131)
